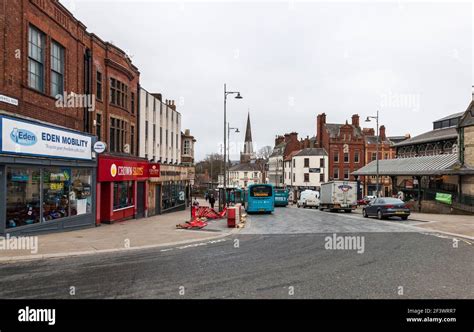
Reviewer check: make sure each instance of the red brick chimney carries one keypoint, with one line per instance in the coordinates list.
(321, 122)
(382, 133)
(292, 143)
(355, 120)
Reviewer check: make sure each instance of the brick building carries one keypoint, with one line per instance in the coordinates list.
(47, 168)
(345, 145)
(56, 73)
(351, 147)
(284, 146)
(44, 54)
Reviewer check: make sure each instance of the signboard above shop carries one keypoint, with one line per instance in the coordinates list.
(114, 169)
(22, 137)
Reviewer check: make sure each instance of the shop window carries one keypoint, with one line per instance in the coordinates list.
(81, 194)
(23, 197)
(56, 185)
(123, 194)
(173, 195)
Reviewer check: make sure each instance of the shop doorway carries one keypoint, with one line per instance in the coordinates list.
(140, 199)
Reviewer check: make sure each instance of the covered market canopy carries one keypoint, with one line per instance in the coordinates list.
(426, 165)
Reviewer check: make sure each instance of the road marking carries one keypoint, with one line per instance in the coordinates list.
(194, 245)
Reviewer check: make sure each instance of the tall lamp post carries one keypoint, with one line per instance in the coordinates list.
(238, 96)
(377, 146)
(236, 130)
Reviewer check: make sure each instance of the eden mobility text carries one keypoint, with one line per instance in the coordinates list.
(63, 139)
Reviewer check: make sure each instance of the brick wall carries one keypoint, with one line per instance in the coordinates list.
(59, 25)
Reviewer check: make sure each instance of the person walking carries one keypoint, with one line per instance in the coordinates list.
(212, 201)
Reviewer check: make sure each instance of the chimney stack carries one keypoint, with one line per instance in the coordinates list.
(321, 122)
(279, 139)
(355, 120)
(382, 133)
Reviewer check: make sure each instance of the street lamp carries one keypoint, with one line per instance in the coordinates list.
(377, 148)
(226, 93)
(236, 130)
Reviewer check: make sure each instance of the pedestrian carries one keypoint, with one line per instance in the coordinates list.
(206, 196)
(212, 201)
(195, 203)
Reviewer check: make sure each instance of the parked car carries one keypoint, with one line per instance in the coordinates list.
(308, 198)
(385, 207)
(366, 200)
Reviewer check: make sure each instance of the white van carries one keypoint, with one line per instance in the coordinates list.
(308, 198)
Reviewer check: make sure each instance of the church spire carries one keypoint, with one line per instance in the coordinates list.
(247, 155)
(248, 134)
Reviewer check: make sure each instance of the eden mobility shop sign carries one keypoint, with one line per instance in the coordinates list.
(28, 138)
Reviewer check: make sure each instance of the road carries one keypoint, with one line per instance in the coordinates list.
(283, 255)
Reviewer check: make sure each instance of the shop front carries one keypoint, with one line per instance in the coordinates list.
(122, 185)
(171, 191)
(47, 176)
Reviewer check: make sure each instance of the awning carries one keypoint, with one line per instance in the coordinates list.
(426, 165)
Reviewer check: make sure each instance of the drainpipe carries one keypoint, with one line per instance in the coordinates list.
(87, 89)
(137, 125)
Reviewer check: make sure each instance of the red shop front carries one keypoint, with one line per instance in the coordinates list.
(122, 188)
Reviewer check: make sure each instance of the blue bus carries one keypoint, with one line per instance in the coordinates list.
(260, 198)
(281, 197)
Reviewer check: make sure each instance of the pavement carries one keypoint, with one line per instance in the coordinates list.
(279, 256)
(458, 225)
(156, 231)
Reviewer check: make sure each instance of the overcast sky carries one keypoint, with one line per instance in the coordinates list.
(293, 60)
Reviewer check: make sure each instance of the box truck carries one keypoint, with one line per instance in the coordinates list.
(338, 195)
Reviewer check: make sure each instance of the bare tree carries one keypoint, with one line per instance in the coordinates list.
(265, 152)
(211, 165)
